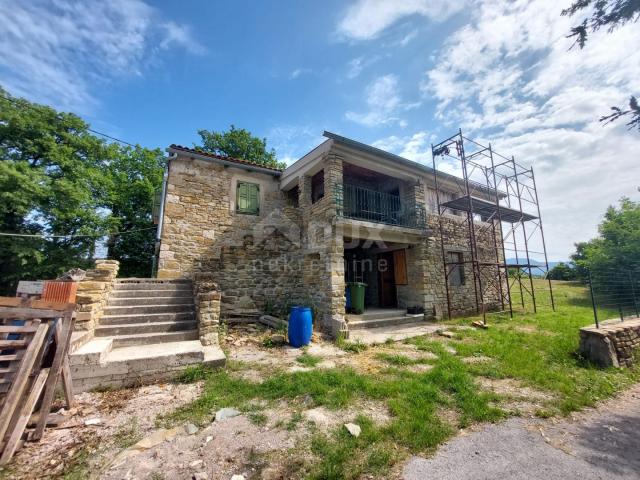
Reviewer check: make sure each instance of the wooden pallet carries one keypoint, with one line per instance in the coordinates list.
(34, 344)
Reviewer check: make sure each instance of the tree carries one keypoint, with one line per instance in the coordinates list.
(562, 271)
(240, 144)
(611, 14)
(617, 248)
(135, 175)
(58, 179)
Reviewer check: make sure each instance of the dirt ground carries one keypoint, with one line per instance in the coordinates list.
(99, 439)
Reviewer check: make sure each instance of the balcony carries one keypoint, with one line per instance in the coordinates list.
(360, 203)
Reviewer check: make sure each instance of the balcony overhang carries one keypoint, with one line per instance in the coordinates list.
(380, 232)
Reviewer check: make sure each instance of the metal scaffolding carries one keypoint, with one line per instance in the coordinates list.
(498, 202)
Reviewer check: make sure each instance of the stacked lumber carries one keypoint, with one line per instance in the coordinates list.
(34, 345)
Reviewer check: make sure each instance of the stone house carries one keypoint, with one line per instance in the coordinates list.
(343, 212)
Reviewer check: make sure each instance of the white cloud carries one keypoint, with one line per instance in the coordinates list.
(384, 104)
(293, 141)
(62, 52)
(508, 76)
(366, 19)
(298, 72)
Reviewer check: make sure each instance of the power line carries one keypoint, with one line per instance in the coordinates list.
(15, 102)
(98, 235)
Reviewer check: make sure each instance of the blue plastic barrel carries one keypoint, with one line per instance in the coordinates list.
(300, 326)
(347, 296)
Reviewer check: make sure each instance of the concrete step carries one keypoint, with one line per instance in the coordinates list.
(146, 318)
(137, 293)
(129, 366)
(157, 308)
(385, 322)
(152, 285)
(136, 328)
(376, 313)
(139, 301)
(149, 338)
(91, 353)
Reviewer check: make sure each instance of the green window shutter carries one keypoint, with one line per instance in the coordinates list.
(248, 198)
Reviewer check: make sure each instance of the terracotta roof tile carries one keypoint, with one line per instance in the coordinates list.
(221, 157)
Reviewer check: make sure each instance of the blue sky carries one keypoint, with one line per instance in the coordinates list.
(396, 74)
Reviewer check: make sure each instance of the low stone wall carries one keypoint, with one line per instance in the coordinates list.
(611, 345)
(207, 299)
(93, 294)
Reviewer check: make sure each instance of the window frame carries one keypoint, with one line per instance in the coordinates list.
(248, 210)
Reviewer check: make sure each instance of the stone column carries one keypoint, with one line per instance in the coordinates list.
(207, 299)
(93, 294)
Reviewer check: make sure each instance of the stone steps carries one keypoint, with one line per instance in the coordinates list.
(142, 301)
(145, 309)
(100, 364)
(146, 318)
(138, 293)
(122, 285)
(148, 327)
(150, 338)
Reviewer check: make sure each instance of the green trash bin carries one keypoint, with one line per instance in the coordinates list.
(356, 290)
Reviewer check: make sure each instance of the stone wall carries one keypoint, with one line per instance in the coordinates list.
(614, 344)
(254, 259)
(207, 297)
(93, 294)
(455, 234)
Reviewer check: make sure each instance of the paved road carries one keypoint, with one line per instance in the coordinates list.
(601, 444)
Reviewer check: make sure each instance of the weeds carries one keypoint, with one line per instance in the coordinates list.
(308, 360)
(128, 434)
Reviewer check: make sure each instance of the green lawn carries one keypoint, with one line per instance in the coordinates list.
(536, 351)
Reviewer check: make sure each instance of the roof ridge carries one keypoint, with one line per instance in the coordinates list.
(222, 157)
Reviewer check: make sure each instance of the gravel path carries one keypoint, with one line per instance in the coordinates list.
(602, 443)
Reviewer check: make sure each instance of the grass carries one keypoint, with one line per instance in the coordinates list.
(308, 360)
(128, 434)
(538, 351)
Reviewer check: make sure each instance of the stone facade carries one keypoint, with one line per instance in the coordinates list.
(292, 251)
(614, 344)
(93, 294)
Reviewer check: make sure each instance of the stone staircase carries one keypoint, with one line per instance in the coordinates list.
(148, 332)
(141, 312)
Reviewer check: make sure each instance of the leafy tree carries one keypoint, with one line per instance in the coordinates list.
(610, 14)
(617, 248)
(562, 271)
(240, 144)
(58, 179)
(135, 175)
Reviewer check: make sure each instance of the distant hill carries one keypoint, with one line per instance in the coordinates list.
(540, 270)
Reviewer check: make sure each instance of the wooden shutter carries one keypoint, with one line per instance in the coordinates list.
(400, 267)
(248, 198)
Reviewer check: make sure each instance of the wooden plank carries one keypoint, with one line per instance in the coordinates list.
(62, 348)
(26, 312)
(67, 382)
(24, 416)
(8, 358)
(13, 344)
(36, 304)
(17, 388)
(17, 329)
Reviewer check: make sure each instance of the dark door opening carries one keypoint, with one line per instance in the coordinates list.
(386, 281)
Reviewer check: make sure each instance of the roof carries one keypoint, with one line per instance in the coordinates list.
(173, 148)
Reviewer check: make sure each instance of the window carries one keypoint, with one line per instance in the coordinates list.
(455, 268)
(248, 198)
(317, 186)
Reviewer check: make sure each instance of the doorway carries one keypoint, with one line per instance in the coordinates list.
(386, 281)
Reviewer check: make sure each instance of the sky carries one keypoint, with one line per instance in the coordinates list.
(395, 74)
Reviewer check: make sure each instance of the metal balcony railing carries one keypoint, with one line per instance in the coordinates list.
(378, 207)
